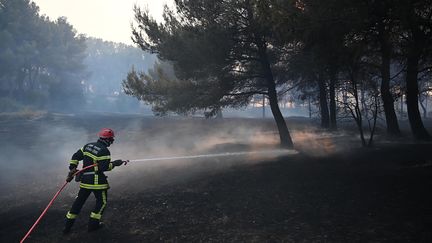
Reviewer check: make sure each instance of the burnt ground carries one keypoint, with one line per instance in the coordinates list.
(381, 194)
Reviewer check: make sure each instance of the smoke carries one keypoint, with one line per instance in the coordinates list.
(36, 153)
(160, 137)
(318, 143)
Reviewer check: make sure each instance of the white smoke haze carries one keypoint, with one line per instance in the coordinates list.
(36, 154)
(186, 137)
(167, 138)
(318, 143)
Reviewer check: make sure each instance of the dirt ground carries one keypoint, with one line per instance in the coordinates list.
(330, 191)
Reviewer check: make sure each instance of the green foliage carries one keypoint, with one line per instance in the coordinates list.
(39, 57)
(167, 94)
(224, 52)
(220, 51)
(109, 62)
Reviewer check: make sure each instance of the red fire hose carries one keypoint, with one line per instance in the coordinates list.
(51, 202)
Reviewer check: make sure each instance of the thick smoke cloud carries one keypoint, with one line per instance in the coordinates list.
(35, 153)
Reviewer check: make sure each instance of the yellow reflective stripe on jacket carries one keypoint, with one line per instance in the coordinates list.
(96, 158)
(73, 162)
(96, 179)
(110, 166)
(94, 187)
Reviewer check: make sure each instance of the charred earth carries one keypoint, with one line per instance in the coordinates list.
(330, 191)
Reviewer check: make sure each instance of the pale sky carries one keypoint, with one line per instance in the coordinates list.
(106, 19)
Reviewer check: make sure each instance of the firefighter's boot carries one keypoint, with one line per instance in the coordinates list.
(94, 224)
(68, 225)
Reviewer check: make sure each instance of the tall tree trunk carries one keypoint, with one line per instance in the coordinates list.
(219, 114)
(387, 98)
(364, 107)
(284, 135)
(423, 107)
(416, 123)
(333, 111)
(325, 118)
(373, 126)
(18, 90)
(345, 96)
(356, 110)
(401, 106)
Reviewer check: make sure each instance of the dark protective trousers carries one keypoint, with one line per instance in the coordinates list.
(95, 216)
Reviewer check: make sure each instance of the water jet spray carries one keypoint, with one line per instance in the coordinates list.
(278, 152)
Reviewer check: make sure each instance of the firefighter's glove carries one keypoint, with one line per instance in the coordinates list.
(71, 174)
(117, 162)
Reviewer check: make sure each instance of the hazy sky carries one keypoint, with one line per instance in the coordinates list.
(106, 19)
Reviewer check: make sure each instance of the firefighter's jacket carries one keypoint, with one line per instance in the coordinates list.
(93, 153)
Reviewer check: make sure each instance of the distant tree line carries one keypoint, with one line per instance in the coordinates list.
(41, 60)
(353, 57)
(107, 64)
(45, 64)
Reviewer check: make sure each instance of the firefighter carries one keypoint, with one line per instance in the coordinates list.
(92, 179)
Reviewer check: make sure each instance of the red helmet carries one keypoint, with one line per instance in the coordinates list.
(106, 133)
